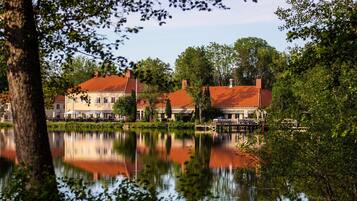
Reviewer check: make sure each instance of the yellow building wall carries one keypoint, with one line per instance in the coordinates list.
(82, 106)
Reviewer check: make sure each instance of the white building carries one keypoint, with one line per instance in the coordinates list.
(102, 93)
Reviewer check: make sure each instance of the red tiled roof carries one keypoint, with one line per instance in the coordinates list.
(222, 97)
(180, 99)
(112, 83)
(59, 99)
(131, 85)
(239, 96)
(266, 98)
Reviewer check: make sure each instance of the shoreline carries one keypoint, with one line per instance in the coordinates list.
(96, 126)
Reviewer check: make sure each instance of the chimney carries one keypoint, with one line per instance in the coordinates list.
(185, 84)
(259, 83)
(96, 74)
(129, 74)
(230, 83)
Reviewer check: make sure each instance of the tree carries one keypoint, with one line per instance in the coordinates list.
(56, 30)
(223, 59)
(58, 81)
(2, 108)
(255, 59)
(317, 87)
(322, 73)
(168, 110)
(79, 69)
(157, 77)
(155, 73)
(126, 145)
(134, 108)
(196, 180)
(194, 66)
(4, 86)
(205, 103)
(24, 76)
(4, 99)
(126, 106)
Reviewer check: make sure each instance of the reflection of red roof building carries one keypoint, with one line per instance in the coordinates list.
(8, 154)
(221, 157)
(104, 168)
(11, 154)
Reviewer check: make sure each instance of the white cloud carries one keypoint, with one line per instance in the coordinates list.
(240, 13)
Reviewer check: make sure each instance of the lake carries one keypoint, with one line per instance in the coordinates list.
(176, 164)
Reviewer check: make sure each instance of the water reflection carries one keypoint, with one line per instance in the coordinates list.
(191, 166)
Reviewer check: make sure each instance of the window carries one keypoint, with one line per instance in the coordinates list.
(105, 100)
(229, 116)
(97, 100)
(57, 106)
(250, 115)
(113, 100)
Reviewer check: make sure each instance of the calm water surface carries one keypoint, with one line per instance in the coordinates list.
(177, 163)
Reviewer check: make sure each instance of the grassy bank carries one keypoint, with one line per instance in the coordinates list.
(161, 125)
(83, 126)
(92, 126)
(5, 125)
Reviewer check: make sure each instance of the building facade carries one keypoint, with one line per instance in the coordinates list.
(102, 92)
(236, 102)
(58, 109)
(56, 112)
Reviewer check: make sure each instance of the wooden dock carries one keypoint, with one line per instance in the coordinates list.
(228, 126)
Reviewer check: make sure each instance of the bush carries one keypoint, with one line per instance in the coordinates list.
(163, 125)
(212, 113)
(183, 117)
(75, 189)
(84, 126)
(5, 125)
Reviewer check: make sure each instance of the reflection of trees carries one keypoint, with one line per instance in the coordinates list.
(168, 143)
(230, 184)
(126, 145)
(196, 180)
(5, 171)
(320, 166)
(2, 139)
(65, 170)
(154, 167)
(247, 179)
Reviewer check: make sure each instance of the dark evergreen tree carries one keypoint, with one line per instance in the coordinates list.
(168, 110)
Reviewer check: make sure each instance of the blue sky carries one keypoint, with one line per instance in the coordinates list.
(195, 28)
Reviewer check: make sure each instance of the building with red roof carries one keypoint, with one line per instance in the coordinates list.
(236, 102)
(102, 92)
(58, 109)
(55, 112)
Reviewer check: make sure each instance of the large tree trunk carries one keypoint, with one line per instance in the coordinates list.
(24, 76)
